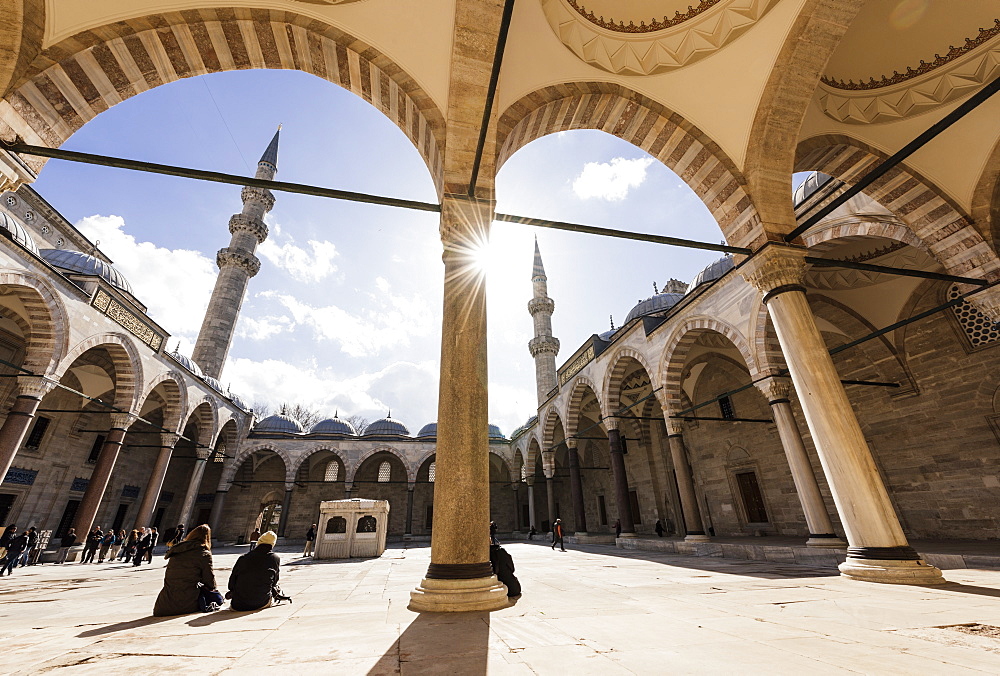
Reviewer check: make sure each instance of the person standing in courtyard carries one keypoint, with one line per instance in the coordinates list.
(557, 535)
(188, 574)
(15, 548)
(178, 535)
(618, 528)
(32, 542)
(92, 545)
(154, 537)
(310, 539)
(255, 576)
(67, 541)
(117, 545)
(106, 542)
(253, 538)
(145, 538)
(658, 528)
(9, 533)
(128, 549)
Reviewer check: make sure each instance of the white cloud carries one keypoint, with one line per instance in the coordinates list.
(611, 180)
(306, 266)
(174, 284)
(262, 328)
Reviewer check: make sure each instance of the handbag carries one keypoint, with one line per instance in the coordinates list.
(209, 599)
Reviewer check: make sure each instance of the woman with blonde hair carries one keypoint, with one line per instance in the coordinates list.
(188, 583)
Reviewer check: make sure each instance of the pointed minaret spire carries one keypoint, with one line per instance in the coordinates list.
(237, 264)
(544, 346)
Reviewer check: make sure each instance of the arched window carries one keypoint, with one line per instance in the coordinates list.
(336, 524)
(384, 472)
(979, 329)
(367, 524)
(431, 471)
(332, 471)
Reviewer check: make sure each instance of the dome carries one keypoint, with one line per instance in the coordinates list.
(386, 427)
(712, 272)
(810, 185)
(495, 433)
(18, 233)
(607, 335)
(186, 362)
(661, 302)
(85, 264)
(334, 425)
(238, 401)
(214, 384)
(279, 423)
(428, 430)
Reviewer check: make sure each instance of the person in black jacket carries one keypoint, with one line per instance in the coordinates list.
(144, 543)
(14, 549)
(255, 576)
(67, 541)
(503, 568)
(189, 574)
(92, 544)
(154, 537)
(9, 533)
(32, 541)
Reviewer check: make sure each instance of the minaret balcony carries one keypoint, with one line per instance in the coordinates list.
(246, 261)
(536, 305)
(253, 226)
(261, 195)
(543, 345)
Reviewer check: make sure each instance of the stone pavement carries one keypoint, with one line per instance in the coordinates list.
(593, 609)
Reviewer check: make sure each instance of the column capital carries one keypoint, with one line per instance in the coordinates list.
(675, 426)
(610, 422)
(169, 439)
(34, 386)
(289, 487)
(14, 172)
(203, 453)
(774, 267)
(465, 221)
(571, 443)
(122, 421)
(530, 480)
(775, 388)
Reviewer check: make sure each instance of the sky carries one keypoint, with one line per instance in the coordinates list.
(345, 313)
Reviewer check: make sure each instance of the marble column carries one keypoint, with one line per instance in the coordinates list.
(517, 509)
(30, 390)
(620, 479)
(550, 499)
(530, 481)
(694, 531)
(286, 508)
(460, 577)
(154, 485)
(217, 506)
(821, 533)
(409, 509)
(576, 487)
(194, 484)
(878, 550)
(99, 478)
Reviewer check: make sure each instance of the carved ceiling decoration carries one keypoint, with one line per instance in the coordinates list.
(634, 50)
(930, 85)
(842, 278)
(713, 340)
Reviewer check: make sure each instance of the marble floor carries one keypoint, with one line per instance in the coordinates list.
(593, 609)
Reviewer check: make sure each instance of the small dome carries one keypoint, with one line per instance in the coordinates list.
(661, 302)
(214, 384)
(279, 423)
(186, 362)
(428, 430)
(810, 185)
(18, 233)
(712, 272)
(386, 427)
(238, 401)
(608, 335)
(495, 433)
(85, 264)
(334, 425)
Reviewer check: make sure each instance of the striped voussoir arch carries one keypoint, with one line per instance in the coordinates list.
(78, 78)
(174, 396)
(940, 225)
(648, 125)
(125, 366)
(549, 429)
(47, 336)
(611, 394)
(862, 227)
(573, 407)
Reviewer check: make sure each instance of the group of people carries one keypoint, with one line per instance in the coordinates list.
(136, 546)
(189, 581)
(16, 549)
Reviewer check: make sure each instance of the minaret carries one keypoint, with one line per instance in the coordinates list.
(543, 347)
(237, 264)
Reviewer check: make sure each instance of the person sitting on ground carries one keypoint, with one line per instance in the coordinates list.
(188, 574)
(532, 533)
(255, 576)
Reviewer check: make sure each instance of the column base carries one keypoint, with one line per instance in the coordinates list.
(826, 540)
(629, 535)
(458, 596)
(697, 537)
(888, 571)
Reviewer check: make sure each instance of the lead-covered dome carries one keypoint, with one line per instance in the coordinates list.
(809, 186)
(214, 384)
(18, 233)
(661, 302)
(334, 425)
(495, 433)
(711, 273)
(279, 424)
(428, 430)
(85, 264)
(186, 362)
(386, 427)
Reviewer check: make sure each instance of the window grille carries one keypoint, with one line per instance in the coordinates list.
(726, 407)
(384, 472)
(37, 432)
(979, 329)
(332, 471)
(524, 473)
(432, 471)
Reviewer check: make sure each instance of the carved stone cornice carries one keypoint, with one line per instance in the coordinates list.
(543, 345)
(775, 266)
(244, 260)
(536, 305)
(645, 50)
(33, 386)
(261, 195)
(122, 421)
(775, 388)
(253, 226)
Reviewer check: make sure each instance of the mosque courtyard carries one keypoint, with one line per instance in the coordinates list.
(594, 609)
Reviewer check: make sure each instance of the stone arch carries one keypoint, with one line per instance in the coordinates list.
(534, 453)
(580, 384)
(506, 465)
(206, 415)
(935, 218)
(517, 462)
(986, 199)
(646, 124)
(48, 340)
(126, 359)
(76, 79)
(230, 472)
(303, 460)
(858, 227)
(767, 350)
(549, 429)
(679, 345)
(618, 365)
(175, 401)
(353, 470)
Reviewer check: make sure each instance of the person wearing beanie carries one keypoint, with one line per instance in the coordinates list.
(255, 576)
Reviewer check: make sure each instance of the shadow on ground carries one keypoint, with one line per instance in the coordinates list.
(121, 626)
(453, 643)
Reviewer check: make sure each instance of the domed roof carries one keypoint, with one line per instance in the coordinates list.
(428, 430)
(85, 264)
(495, 433)
(186, 362)
(810, 185)
(607, 335)
(661, 302)
(214, 384)
(18, 233)
(712, 272)
(386, 426)
(236, 399)
(334, 425)
(279, 423)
